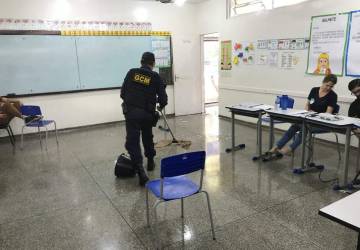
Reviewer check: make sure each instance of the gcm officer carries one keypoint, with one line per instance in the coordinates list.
(141, 90)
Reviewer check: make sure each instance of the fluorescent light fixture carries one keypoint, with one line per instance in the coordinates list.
(141, 14)
(180, 2)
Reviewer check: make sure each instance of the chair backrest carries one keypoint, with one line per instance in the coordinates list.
(30, 110)
(182, 164)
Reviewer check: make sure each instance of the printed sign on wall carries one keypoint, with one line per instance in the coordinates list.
(327, 44)
(353, 53)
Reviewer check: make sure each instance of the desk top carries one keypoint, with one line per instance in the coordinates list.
(323, 118)
(345, 211)
(289, 112)
(334, 120)
(248, 106)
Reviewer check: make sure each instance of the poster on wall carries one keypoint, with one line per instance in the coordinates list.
(283, 44)
(288, 60)
(273, 59)
(243, 53)
(262, 59)
(162, 49)
(225, 55)
(327, 44)
(353, 52)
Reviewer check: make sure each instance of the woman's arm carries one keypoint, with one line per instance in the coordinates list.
(307, 105)
(330, 110)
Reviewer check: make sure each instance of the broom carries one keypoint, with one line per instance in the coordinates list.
(163, 143)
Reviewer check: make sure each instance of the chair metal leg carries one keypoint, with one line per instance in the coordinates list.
(311, 149)
(182, 208)
(338, 146)
(56, 134)
(11, 135)
(358, 157)
(147, 208)
(39, 132)
(46, 137)
(158, 241)
(22, 138)
(210, 214)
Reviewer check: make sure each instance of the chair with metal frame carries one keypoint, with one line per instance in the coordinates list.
(310, 144)
(174, 185)
(35, 111)
(356, 180)
(7, 127)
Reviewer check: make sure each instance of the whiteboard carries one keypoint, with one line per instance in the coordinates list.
(37, 64)
(41, 64)
(104, 61)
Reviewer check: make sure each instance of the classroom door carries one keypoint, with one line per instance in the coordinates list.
(187, 86)
(211, 68)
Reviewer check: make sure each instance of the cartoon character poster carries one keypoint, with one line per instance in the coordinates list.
(327, 44)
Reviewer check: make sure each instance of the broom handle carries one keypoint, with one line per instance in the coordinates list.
(167, 124)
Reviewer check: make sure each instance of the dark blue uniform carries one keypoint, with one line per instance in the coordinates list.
(141, 90)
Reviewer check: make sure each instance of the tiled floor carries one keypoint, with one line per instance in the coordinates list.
(68, 198)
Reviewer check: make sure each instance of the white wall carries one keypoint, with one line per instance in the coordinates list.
(72, 110)
(262, 83)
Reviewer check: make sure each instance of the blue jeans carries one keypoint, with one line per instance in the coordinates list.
(295, 131)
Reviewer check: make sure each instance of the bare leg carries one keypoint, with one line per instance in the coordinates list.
(286, 150)
(274, 149)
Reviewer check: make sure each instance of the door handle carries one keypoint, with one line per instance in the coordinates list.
(177, 77)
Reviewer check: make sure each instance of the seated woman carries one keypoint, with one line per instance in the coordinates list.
(321, 99)
(9, 109)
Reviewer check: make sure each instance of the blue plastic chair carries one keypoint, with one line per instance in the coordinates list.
(32, 110)
(174, 185)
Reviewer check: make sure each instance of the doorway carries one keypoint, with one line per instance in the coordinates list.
(211, 69)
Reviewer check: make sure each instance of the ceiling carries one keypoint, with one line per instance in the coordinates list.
(187, 1)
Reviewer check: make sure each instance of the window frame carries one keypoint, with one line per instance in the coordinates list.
(229, 7)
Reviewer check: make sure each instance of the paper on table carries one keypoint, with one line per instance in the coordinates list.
(333, 119)
(265, 107)
(356, 121)
(293, 112)
(247, 105)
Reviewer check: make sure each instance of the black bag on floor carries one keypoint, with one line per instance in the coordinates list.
(124, 167)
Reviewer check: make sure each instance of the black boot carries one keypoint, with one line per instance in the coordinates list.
(150, 164)
(143, 178)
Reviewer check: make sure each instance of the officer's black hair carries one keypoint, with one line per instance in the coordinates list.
(330, 78)
(353, 84)
(148, 58)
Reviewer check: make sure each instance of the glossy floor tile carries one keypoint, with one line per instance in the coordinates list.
(67, 197)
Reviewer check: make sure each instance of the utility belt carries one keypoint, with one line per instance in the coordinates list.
(151, 110)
